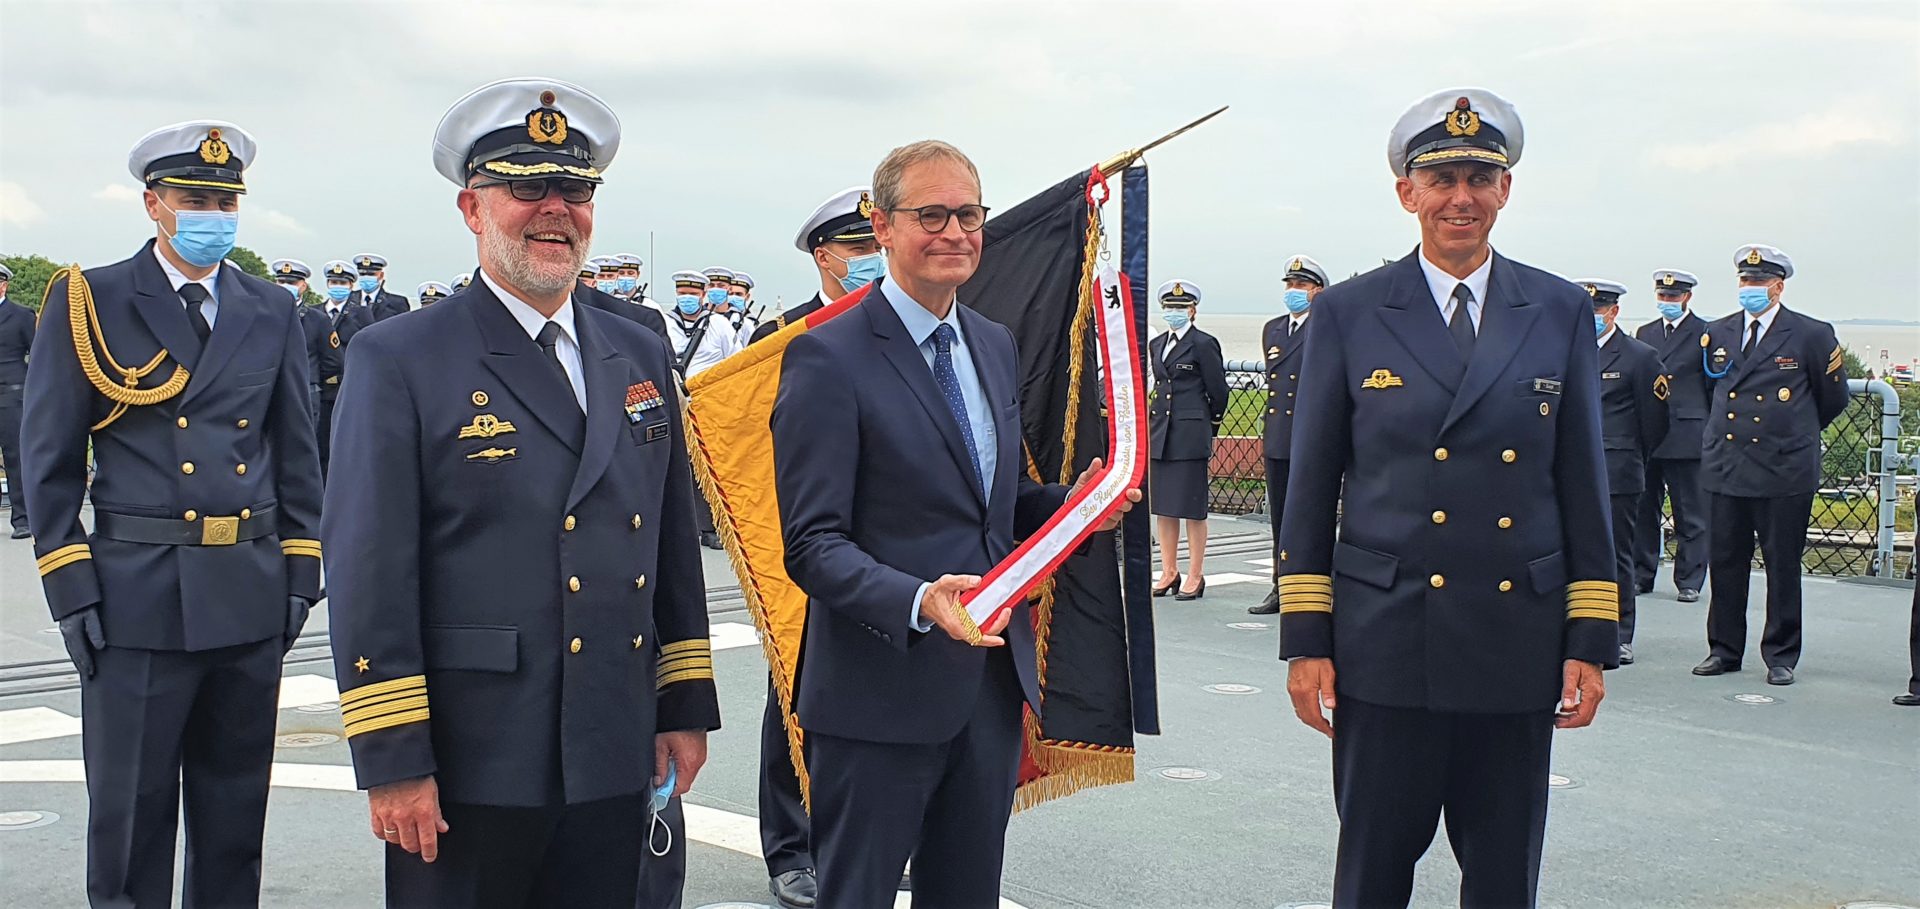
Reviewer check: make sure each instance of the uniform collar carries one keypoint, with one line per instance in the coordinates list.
(1766, 320)
(1442, 284)
(179, 280)
(530, 319)
(920, 323)
(1612, 330)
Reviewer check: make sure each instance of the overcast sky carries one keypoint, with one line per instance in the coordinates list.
(1660, 134)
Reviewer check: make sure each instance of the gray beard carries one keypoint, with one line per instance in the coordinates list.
(510, 256)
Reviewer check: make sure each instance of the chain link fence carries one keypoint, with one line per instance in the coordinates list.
(1863, 517)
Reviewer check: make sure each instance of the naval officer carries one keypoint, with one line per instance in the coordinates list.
(1284, 337)
(1673, 472)
(518, 618)
(1466, 597)
(838, 237)
(1189, 400)
(345, 318)
(1633, 421)
(16, 337)
(1777, 382)
(370, 289)
(186, 380)
(293, 274)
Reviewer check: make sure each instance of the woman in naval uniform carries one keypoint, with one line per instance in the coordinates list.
(1190, 397)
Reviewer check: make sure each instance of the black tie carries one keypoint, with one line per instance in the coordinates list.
(196, 294)
(1461, 325)
(549, 340)
(1669, 329)
(1289, 329)
(1753, 335)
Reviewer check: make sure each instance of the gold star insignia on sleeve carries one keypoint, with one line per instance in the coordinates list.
(362, 664)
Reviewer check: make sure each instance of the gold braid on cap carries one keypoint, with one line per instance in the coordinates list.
(84, 322)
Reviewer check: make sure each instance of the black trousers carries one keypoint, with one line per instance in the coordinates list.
(323, 429)
(1626, 513)
(1913, 644)
(160, 724)
(1678, 480)
(578, 856)
(10, 413)
(663, 878)
(1781, 526)
(1397, 771)
(783, 815)
(944, 804)
(1277, 470)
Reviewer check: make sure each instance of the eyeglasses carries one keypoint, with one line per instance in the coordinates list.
(933, 218)
(577, 192)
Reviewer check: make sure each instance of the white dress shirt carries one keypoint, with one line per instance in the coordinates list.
(1602, 340)
(531, 321)
(1442, 285)
(210, 309)
(1766, 324)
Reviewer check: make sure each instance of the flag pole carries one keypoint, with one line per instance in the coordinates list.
(1117, 162)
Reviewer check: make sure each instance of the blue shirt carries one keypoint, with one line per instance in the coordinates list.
(920, 327)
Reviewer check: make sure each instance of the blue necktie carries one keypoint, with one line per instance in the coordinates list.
(950, 389)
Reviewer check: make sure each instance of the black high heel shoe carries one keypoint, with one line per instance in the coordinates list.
(1197, 593)
(1171, 587)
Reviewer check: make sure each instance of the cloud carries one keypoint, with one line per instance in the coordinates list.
(117, 192)
(1812, 136)
(278, 221)
(16, 208)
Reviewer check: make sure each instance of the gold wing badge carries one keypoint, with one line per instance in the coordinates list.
(486, 426)
(1382, 378)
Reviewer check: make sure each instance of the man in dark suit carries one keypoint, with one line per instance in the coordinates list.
(1468, 600)
(896, 438)
(518, 546)
(370, 290)
(1633, 421)
(186, 378)
(1778, 381)
(838, 237)
(345, 318)
(16, 338)
(292, 274)
(1284, 337)
(1673, 473)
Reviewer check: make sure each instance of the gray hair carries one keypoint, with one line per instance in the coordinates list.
(887, 177)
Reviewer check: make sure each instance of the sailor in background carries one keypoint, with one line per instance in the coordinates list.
(1633, 421)
(345, 318)
(16, 337)
(740, 301)
(699, 339)
(292, 274)
(838, 237)
(1673, 473)
(460, 281)
(1779, 379)
(371, 288)
(1284, 337)
(432, 292)
(1189, 401)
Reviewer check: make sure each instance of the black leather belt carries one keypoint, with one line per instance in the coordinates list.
(203, 530)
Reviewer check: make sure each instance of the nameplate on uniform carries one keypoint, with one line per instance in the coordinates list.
(1786, 363)
(1552, 386)
(1382, 378)
(1604, 375)
(642, 397)
(657, 431)
(1186, 366)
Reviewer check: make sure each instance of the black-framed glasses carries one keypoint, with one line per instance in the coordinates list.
(577, 192)
(933, 218)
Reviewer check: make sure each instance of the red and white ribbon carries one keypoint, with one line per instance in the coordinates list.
(1009, 582)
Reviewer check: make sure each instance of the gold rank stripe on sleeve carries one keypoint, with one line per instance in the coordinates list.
(1306, 593)
(383, 705)
(295, 547)
(1836, 359)
(683, 661)
(1593, 600)
(64, 556)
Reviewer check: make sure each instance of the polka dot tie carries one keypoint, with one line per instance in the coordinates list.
(950, 389)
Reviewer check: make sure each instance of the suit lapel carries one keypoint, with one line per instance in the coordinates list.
(163, 311)
(1412, 317)
(994, 373)
(238, 306)
(513, 356)
(1291, 345)
(606, 372)
(1505, 320)
(1610, 353)
(899, 349)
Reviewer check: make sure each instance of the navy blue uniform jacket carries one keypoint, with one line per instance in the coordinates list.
(1687, 385)
(876, 497)
(1189, 396)
(1633, 410)
(1763, 440)
(1475, 554)
(1283, 383)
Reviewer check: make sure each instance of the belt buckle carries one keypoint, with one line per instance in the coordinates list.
(223, 531)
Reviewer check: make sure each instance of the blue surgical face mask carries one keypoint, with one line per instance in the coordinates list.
(863, 270)
(1599, 325)
(203, 238)
(1176, 319)
(687, 303)
(738, 302)
(293, 289)
(1296, 300)
(716, 297)
(606, 287)
(1754, 300)
(338, 292)
(1671, 311)
(368, 284)
(625, 285)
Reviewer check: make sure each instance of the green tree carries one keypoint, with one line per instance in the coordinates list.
(30, 276)
(249, 262)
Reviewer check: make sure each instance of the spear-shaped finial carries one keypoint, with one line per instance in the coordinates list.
(1117, 162)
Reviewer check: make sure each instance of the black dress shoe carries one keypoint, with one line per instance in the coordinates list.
(1626, 654)
(1644, 588)
(1779, 675)
(1171, 587)
(1907, 700)
(796, 889)
(1268, 606)
(710, 539)
(1197, 593)
(1714, 665)
(1688, 595)
(21, 533)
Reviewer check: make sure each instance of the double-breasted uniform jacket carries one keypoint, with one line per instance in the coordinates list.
(342, 326)
(381, 305)
(1763, 440)
(1283, 382)
(232, 452)
(1475, 554)
(1687, 385)
(1189, 397)
(16, 336)
(1633, 410)
(515, 587)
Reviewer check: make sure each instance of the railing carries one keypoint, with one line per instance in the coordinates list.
(1861, 525)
